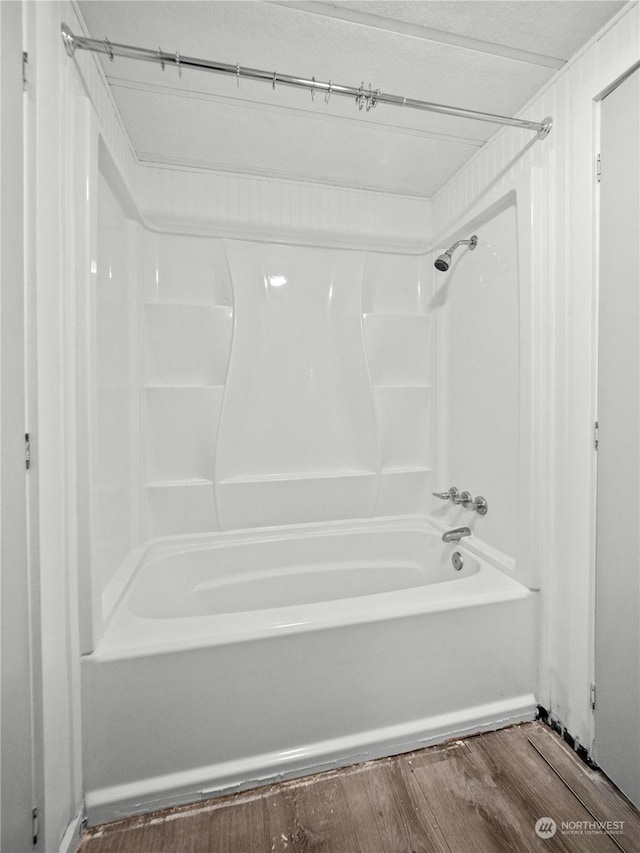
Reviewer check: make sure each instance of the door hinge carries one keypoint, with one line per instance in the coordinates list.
(25, 62)
(593, 697)
(27, 450)
(598, 168)
(595, 435)
(34, 824)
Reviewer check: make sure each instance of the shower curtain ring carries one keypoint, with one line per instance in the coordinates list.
(313, 89)
(161, 57)
(108, 48)
(273, 84)
(178, 64)
(238, 74)
(328, 95)
(360, 96)
(368, 98)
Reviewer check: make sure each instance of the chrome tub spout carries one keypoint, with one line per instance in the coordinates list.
(456, 534)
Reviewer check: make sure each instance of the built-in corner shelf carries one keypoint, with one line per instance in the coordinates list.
(187, 317)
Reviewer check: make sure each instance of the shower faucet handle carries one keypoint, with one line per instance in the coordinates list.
(480, 505)
(450, 495)
(458, 498)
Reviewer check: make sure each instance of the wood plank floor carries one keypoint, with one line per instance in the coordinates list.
(482, 794)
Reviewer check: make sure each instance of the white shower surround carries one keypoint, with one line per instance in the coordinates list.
(232, 364)
(285, 384)
(268, 384)
(182, 701)
(242, 384)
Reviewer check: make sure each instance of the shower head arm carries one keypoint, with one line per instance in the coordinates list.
(472, 243)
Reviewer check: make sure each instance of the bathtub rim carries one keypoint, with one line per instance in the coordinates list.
(117, 587)
(128, 635)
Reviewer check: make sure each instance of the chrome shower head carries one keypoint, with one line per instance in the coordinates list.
(443, 261)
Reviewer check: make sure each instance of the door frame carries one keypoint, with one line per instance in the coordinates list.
(16, 672)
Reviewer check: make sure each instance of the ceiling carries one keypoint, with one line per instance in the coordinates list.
(485, 55)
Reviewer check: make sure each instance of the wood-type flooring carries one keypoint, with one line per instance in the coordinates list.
(482, 794)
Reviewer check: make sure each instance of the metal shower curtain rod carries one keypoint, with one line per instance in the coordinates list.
(368, 97)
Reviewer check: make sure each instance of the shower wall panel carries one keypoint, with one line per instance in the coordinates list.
(298, 418)
(115, 528)
(282, 384)
(187, 326)
(398, 330)
(479, 333)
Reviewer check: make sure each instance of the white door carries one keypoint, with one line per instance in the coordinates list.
(617, 656)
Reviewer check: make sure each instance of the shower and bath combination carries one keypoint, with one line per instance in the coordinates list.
(443, 261)
(336, 559)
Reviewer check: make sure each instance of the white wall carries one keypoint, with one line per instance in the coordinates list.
(248, 207)
(57, 151)
(16, 782)
(557, 209)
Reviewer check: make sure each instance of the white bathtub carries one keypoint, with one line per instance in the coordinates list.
(231, 661)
